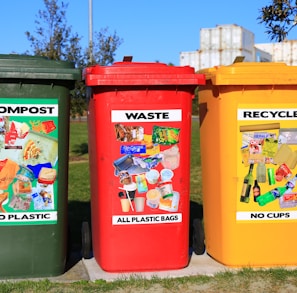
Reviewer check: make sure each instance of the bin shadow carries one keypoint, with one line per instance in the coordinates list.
(78, 212)
(196, 230)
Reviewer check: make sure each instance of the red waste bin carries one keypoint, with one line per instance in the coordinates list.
(139, 121)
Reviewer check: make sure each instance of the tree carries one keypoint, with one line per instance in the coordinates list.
(104, 47)
(54, 39)
(280, 17)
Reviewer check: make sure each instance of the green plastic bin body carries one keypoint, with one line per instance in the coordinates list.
(34, 145)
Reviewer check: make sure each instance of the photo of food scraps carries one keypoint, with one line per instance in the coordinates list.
(27, 188)
(27, 160)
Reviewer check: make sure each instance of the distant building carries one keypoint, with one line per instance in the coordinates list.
(285, 51)
(222, 44)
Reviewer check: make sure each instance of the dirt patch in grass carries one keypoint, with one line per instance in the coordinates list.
(77, 159)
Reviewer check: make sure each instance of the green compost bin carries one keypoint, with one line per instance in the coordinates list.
(34, 146)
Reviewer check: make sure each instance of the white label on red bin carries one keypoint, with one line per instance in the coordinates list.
(147, 219)
(146, 115)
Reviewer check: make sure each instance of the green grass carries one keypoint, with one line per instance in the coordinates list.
(78, 141)
(195, 177)
(242, 281)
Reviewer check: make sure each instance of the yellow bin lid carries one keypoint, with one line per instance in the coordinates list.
(251, 73)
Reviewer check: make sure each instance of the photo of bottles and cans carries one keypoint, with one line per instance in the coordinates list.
(269, 160)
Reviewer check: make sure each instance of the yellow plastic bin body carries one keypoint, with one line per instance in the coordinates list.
(248, 116)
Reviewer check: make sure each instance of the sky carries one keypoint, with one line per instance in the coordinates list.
(151, 30)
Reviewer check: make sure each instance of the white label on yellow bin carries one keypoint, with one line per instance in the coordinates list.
(146, 115)
(266, 114)
(272, 215)
(266, 135)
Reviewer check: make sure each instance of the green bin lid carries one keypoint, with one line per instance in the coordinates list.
(36, 67)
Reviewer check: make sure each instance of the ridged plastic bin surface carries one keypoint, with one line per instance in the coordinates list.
(247, 106)
(34, 102)
(130, 102)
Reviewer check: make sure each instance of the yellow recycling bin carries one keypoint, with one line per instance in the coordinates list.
(248, 134)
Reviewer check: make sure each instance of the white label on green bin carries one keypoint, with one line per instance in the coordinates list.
(267, 162)
(28, 161)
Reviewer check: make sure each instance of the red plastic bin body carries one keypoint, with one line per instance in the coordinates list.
(139, 120)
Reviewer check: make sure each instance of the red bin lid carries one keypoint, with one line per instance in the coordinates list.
(141, 73)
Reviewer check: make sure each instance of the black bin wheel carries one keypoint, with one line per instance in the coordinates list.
(86, 240)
